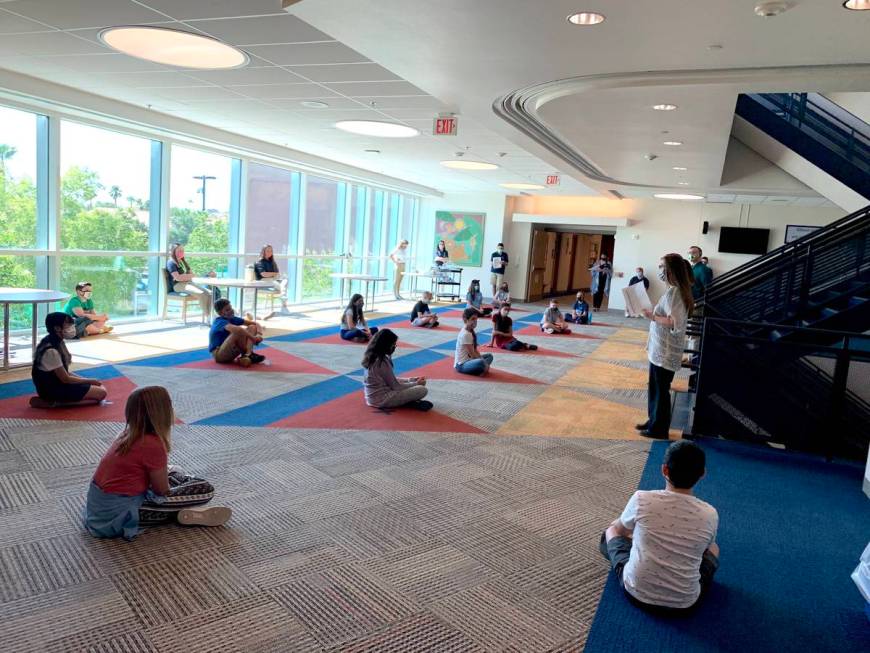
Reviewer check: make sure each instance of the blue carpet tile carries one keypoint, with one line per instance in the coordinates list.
(792, 528)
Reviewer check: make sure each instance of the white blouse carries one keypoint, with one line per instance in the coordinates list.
(665, 345)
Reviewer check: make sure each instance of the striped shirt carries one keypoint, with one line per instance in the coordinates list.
(665, 345)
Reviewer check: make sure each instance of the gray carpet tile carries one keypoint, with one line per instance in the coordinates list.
(419, 633)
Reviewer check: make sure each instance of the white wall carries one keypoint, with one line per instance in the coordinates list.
(858, 104)
(493, 204)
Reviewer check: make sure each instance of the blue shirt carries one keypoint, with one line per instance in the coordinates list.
(581, 308)
(474, 299)
(218, 332)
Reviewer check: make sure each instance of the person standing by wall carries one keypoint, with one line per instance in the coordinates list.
(602, 272)
(442, 256)
(667, 331)
(397, 256)
(638, 278)
(498, 265)
(702, 274)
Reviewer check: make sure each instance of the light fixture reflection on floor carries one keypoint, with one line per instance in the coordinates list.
(673, 143)
(520, 186)
(586, 18)
(857, 5)
(679, 168)
(678, 196)
(377, 128)
(468, 165)
(665, 107)
(173, 47)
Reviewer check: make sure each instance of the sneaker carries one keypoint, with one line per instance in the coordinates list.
(435, 324)
(204, 516)
(423, 405)
(627, 315)
(244, 361)
(641, 427)
(549, 331)
(249, 317)
(533, 347)
(107, 329)
(257, 358)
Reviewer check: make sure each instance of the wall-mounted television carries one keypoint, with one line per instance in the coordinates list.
(741, 240)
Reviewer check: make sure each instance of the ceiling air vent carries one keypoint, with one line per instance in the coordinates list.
(616, 194)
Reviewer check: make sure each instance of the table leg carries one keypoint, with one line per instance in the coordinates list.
(33, 332)
(6, 336)
(372, 285)
(241, 300)
(256, 290)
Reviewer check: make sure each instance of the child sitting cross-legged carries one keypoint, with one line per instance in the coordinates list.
(134, 486)
(382, 388)
(467, 358)
(580, 314)
(502, 296)
(503, 331)
(421, 316)
(353, 323)
(552, 321)
(233, 338)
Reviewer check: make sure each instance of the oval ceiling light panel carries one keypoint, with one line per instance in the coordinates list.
(314, 104)
(585, 18)
(518, 186)
(665, 107)
(459, 164)
(857, 5)
(678, 196)
(673, 143)
(377, 128)
(173, 48)
(679, 168)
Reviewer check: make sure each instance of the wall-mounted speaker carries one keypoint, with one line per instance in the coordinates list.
(705, 227)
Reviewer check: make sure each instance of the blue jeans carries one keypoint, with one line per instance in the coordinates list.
(350, 334)
(475, 366)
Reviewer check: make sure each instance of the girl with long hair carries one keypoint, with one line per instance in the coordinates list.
(267, 268)
(134, 485)
(55, 384)
(667, 337)
(382, 388)
(442, 256)
(474, 299)
(467, 359)
(353, 322)
(179, 276)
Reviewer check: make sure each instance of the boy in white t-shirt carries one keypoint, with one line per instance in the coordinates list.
(663, 546)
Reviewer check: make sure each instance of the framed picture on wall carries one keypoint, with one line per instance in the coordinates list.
(462, 232)
(795, 231)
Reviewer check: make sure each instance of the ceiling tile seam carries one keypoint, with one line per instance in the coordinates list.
(15, 13)
(156, 11)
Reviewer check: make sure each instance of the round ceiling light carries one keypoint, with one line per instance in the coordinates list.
(314, 104)
(461, 164)
(857, 5)
(665, 107)
(377, 128)
(678, 196)
(673, 143)
(521, 186)
(173, 48)
(586, 18)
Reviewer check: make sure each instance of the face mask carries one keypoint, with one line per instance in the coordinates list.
(662, 275)
(87, 294)
(500, 250)
(692, 257)
(69, 332)
(639, 274)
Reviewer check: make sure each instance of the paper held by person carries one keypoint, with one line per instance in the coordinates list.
(636, 299)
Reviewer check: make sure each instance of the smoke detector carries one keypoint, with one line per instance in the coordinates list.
(771, 9)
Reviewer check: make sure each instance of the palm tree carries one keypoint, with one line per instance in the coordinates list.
(115, 193)
(131, 200)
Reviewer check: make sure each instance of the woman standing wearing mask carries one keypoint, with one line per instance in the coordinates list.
(667, 332)
(601, 271)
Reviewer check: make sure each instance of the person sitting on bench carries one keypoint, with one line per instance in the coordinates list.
(55, 384)
(663, 547)
(232, 337)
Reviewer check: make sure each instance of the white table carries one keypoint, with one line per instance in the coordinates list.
(9, 296)
(415, 278)
(370, 280)
(241, 284)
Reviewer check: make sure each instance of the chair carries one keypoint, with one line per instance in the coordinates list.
(181, 297)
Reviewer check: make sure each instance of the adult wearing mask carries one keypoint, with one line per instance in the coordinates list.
(602, 272)
(498, 264)
(701, 272)
(638, 278)
(667, 332)
(397, 256)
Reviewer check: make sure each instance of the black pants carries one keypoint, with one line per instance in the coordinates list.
(598, 297)
(659, 400)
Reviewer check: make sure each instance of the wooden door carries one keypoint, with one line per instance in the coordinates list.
(550, 263)
(537, 265)
(563, 263)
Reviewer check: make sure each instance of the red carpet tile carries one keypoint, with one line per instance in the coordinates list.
(351, 412)
(405, 324)
(335, 339)
(280, 362)
(118, 388)
(443, 369)
(535, 330)
(529, 352)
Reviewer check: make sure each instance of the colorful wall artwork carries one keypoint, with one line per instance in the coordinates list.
(463, 233)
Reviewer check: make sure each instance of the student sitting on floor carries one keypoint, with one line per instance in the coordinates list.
(81, 309)
(353, 322)
(552, 320)
(55, 384)
(467, 359)
(421, 316)
(503, 331)
(580, 314)
(382, 388)
(502, 296)
(133, 485)
(474, 299)
(663, 546)
(232, 337)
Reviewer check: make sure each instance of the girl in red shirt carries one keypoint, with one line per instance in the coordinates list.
(134, 485)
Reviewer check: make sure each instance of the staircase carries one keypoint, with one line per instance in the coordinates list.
(768, 331)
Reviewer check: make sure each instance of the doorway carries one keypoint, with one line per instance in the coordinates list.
(560, 261)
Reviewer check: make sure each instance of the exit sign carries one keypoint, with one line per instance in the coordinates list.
(552, 180)
(446, 126)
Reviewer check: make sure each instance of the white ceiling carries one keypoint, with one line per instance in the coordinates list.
(291, 61)
(408, 60)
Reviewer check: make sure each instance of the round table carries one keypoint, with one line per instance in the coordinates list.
(32, 296)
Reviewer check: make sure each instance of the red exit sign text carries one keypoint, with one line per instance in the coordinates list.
(445, 126)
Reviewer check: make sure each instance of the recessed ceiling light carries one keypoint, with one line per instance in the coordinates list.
(173, 48)
(664, 107)
(377, 128)
(468, 165)
(678, 196)
(314, 104)
(586, 18)
(372, 151)
(857, 5)
(682, 183)
(673, 143)
(679, 168)
(519, 186)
